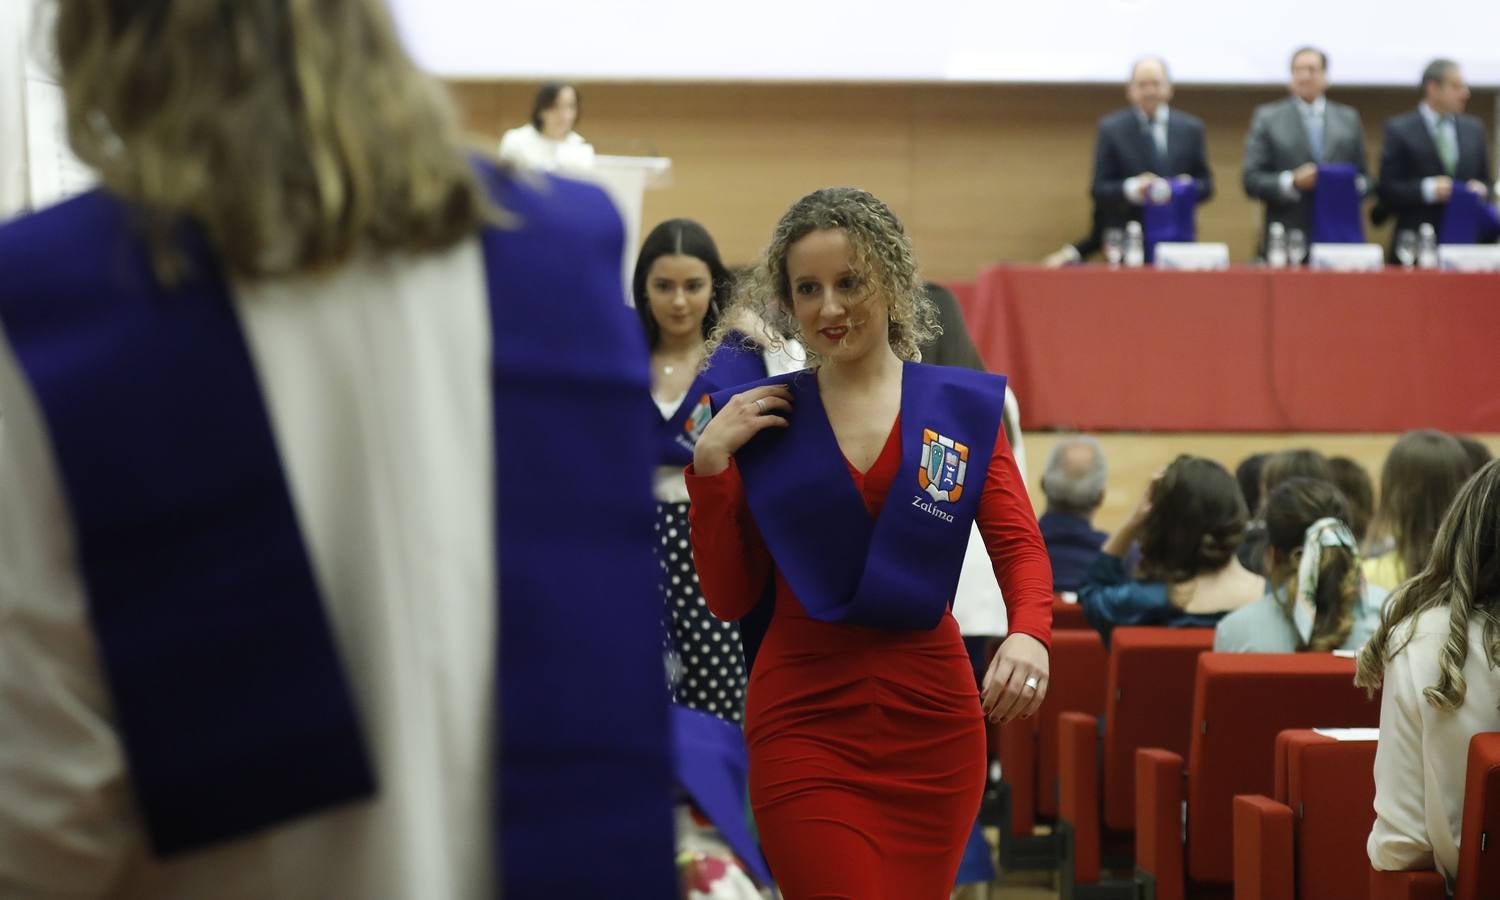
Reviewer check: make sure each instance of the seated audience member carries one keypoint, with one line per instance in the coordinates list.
(1247, 473)
(1354, 483)
(1318, 599)
(1479, 452)
(1298, 463)
(1436, 656)
(1074, 486)
(1421, 475)
(548, 142)
(1189, 523)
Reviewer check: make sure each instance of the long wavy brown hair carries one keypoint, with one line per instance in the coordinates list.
(1463, 575)
(1418, 481)
(882, 258)
(291, 132)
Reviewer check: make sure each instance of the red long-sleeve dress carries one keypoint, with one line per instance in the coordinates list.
(866, 745)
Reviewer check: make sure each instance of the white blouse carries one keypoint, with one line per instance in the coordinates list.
(529, 148)
(376, 380)
(1423, 754)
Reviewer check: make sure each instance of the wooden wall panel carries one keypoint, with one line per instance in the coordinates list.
(979, 173)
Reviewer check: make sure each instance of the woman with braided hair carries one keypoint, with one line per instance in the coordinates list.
(1435, 657)
(1318, 599)
(1189, 525)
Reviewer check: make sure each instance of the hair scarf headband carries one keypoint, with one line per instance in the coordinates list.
(1326, 532)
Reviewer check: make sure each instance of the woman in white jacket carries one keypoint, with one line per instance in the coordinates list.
(1435, 656)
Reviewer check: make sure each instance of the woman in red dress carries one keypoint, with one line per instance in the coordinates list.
(867, 747)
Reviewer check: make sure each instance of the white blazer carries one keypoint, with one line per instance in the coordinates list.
(1423, 754)
(530, 149)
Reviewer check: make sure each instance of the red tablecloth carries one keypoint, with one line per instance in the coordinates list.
(1243, 349)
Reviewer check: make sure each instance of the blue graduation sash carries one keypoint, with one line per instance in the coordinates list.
(232, 705)
(1467, 219)
(1335, 206)
(737, 361)
(899, 571)
(1175, 220)
(712, 767)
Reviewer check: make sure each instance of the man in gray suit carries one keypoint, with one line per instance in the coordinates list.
(1289, 138)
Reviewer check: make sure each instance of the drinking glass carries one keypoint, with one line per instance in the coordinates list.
(1114, 245)
(1296, 247)
(1406, 248)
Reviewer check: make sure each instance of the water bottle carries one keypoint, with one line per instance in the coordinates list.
(1276, 245)
(1427, 247)
(1135, 246)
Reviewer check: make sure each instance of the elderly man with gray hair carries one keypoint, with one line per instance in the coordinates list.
(1074, 486)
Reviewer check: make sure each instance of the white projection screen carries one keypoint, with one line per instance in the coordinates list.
(1369, 42)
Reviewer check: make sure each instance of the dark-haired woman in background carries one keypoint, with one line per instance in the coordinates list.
(1318, 600)
(548, 142)
(1189, 524)
(680, 288)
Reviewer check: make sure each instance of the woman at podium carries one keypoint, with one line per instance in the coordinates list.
(548, 142)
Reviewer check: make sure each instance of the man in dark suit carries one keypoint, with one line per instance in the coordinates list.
(1289, 138)
(1431, 152)
(1145, 143)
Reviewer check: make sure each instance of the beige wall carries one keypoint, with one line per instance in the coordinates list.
(979, 173)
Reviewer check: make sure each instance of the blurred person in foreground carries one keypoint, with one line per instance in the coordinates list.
(316, 530)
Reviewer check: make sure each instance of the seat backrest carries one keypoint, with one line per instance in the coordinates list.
(1331, 791)
(1068, 616)
(1241, 701)
(1478, 863)
(1076, 684)
(1148, 703)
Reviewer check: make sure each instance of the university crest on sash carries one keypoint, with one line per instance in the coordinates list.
(697, 420)
(944, 464)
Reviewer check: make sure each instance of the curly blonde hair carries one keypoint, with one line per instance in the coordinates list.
(1463, 575)
(881, 256)
(291, 132)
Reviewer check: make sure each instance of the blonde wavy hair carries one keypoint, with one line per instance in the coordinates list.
(1463, 575)
(291, 132)
(880, 255)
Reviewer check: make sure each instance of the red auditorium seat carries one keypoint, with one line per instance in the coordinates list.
(1068, 616)
(1149, 703)
(1028, 747)
(1308, 840)
(1478, 866)
(1241, 701)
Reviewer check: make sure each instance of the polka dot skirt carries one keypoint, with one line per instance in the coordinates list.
(705, 663)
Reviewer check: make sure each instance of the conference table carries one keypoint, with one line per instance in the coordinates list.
(1242, 349)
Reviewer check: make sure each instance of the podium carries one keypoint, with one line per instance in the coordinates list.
(626, 179)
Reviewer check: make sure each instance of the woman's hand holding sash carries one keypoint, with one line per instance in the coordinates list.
(742, 418)
(1016, 682)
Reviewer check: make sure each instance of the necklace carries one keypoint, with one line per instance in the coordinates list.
(667, 368)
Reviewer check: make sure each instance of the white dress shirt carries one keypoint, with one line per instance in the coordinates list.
(1423, 754)
(376, 381)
